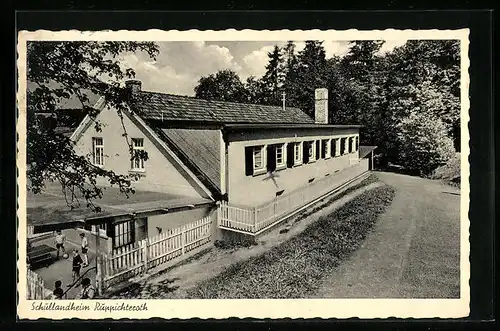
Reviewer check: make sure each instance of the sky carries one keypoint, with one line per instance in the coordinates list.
(180, 64)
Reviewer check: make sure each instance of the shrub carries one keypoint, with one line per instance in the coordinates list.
(424, 144)
(450, 172)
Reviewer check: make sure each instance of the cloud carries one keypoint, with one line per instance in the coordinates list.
(389, 45)
(180, 65)
(254, 64)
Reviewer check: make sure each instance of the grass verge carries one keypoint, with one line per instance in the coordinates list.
(295, 267)
(365, 182)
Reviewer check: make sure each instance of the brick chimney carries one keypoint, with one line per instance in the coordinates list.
(321, 106)
(134, 85)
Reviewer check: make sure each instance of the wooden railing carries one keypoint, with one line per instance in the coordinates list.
(137, 258)
(35, 287)
(253, 220)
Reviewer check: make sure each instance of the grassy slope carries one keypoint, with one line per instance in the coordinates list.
(294, 268)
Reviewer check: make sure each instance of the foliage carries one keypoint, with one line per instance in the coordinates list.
(59, 71)
(295, 268)
(423, 143)
(272, 81)
(449, 172)
(225, 85)
(376, 90)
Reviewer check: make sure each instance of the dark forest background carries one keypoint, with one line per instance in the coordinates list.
(407, 100)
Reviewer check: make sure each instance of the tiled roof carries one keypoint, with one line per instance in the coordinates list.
(198, 149)
(365, 150)
(182, 108)
(49, 208)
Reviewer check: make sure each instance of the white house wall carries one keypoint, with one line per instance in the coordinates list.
(247, 190)
(159, 175)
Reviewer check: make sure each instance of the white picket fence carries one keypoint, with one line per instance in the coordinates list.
(137, 258)
(253, 220)
(35, 287)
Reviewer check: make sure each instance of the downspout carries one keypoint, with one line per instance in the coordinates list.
(226, 160)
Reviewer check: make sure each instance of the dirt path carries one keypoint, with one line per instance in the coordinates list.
(175, 283)
(414, 250)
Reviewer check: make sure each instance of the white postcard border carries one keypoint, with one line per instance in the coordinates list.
(264, 308)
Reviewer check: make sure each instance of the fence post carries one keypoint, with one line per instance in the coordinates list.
(183, 240)
(145, 253)
(218, 213)
(98, 257)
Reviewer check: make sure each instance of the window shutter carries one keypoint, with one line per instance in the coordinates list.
(318, 149)
(249, 161)
(271, 158)
(290, 155)
(305, 152)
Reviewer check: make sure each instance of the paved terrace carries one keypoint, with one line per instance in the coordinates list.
(49, 211)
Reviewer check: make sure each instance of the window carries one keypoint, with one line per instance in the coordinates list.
(325, 149)
(98, 151)
(280, 156)
(254, 160)
(297, 152)
(124, 233)
(275, 157)
(309, 151)
(257, 158)
(343, 144)
(137, 147)
(357, 143)
(333, 148)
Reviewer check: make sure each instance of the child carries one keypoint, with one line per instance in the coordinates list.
(88, 291)
(77, 264)
(59, 241)
(58, 291)
(85, 248)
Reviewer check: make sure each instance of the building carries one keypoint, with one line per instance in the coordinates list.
(251, 165)
(244, 155)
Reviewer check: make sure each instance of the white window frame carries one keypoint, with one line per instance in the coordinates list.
(282, 164)
(137, 164)
(97, 151)
(124, 233)
(256, 150)
(327, 147)
(297, 153)
(311, 147)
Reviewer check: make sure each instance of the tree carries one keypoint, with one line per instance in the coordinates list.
(255, 90)
(273, 78)
(61, 70)
(291, 82)
(310, 75)
(423, 143)
(432, 68)
(225, 85)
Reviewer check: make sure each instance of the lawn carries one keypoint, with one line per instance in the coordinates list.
(296, 267)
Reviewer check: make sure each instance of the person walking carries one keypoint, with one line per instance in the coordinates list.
(77, 265)
(85, 248)
(88, 291)
(59, 241)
